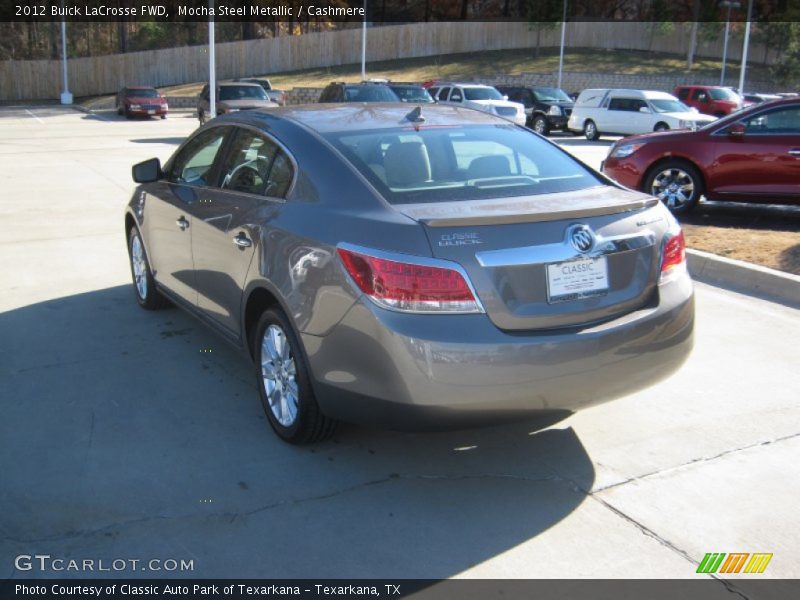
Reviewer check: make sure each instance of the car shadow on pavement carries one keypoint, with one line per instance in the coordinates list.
(129, 433)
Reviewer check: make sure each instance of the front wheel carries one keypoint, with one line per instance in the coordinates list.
(590, 131)
(677, 184)
(540, 125)
(661, 127)
(144, 285)
(284, 384)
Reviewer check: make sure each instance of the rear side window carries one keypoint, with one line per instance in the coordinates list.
(461, 163)
(193, 165)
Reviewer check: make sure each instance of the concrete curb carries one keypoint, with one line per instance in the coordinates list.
(740, 276)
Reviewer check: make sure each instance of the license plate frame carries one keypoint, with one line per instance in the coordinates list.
(586, 277)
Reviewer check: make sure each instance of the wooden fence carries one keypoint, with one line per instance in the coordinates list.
(41, 79)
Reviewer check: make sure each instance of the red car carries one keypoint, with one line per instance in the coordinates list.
(141, 101)
(709, 99)
(750, 156)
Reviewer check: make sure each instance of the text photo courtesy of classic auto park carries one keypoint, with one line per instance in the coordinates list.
(401, 295)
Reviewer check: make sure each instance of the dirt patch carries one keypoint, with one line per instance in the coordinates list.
(764, 236)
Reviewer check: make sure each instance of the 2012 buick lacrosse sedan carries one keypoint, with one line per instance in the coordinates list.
(411, 267)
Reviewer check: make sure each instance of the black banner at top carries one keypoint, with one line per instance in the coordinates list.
(405, 11)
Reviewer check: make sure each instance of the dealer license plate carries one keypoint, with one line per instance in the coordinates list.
(577, 279)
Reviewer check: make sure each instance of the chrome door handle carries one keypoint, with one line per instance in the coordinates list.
(242, 241)
(795, 152)
(182, 223)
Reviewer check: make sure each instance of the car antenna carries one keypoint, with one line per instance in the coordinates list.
(415, 116)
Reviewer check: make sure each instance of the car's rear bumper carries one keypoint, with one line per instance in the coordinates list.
(406, 371)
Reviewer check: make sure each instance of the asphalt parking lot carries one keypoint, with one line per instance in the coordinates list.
(135, 435)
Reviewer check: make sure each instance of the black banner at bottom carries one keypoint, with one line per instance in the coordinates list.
(707, 588)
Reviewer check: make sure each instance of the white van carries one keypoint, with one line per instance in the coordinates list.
(628, 112)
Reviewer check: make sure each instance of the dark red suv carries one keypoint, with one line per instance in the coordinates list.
(749, 156)
(709, 99)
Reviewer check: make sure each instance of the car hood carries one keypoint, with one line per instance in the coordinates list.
(691, 116)
(516, 105)
(144, 100)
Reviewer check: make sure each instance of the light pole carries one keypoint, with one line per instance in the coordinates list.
(66, 96)
(212, 67)
(364, 45)
(729, 4)
(561, 52)
(744, 47)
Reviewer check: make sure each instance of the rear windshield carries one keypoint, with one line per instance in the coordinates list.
(445, 164)
(487, 93)
(369, 93)
(239, 92)
(722, 94)
(412, 93)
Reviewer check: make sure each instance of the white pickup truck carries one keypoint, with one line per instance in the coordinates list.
(629, 112)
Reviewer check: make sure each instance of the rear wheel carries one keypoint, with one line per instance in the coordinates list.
(590, 131)
(719, 114)
(661, 127)
(144, 285)
(677, 184)
(540, 125)
(283, 382)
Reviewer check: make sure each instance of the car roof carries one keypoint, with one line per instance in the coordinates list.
(138, 88)
(353, 116)
(238, 83)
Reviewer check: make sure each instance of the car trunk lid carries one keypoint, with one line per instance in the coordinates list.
(524, 263)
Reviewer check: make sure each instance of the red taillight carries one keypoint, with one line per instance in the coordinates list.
(408, 286)
(674, 253)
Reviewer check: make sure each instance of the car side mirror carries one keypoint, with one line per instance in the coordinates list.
(644, 109)
(737, 130)
(147, 171)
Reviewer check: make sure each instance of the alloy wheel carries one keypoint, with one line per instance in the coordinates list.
(674, 187)
(279, 375)
(139, 266)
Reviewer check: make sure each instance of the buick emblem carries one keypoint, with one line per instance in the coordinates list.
(581, 238)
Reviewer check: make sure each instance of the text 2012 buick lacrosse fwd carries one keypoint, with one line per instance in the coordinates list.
(410, 267)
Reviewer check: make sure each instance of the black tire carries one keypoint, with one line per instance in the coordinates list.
(719, 114)
(590, 131)
(310, 424)
(147, 296)
(119, 110)
(679, 172)
(540, 125)
(163, 117)
(661, 127)
(201, 116)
